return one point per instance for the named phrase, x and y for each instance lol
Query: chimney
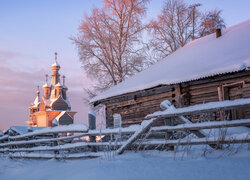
(218, 32)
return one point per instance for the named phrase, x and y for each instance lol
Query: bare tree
(210, 21)
(173, 27)
(109, 41)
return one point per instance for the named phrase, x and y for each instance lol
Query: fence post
(55, 135)
(169, 122)
(92, 126)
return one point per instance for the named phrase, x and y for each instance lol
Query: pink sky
(31, 31)
(18, 87)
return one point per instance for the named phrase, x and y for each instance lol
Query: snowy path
(143, 165)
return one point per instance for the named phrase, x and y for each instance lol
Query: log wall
(134, 107)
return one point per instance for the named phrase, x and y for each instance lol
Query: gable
(42, 106)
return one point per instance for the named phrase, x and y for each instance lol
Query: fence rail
(116, 141)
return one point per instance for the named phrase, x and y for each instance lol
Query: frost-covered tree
(179, 23)
(109, 42)
(173, 27)
(210, 21)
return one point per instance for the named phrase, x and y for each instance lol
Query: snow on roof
(58, 84)
(36, 102)
(52, 100)
(204, 57)
(46, 85)
(60, 115)
(23, 129)
(57, 129)
(64, 87)
(55, 64)
(92, 112)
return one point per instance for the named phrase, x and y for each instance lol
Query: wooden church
(53, 107)
(211, 68)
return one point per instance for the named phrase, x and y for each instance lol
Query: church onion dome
(65, 87)
(58, 85)
(55, 66)
(46, 85)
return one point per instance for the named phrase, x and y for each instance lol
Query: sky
(32, 30)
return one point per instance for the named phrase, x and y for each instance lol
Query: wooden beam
(202, 108)
(40, 140)
(56, 156)
(204, 125)
(62, 147)
(136, 135)
(199, 141)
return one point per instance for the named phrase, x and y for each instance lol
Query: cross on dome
(55, 63)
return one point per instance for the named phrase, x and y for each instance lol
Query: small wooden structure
(205, 70)
(46, 143)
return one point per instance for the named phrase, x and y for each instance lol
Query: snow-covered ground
(141, 165)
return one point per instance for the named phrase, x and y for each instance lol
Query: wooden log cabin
(212, 68)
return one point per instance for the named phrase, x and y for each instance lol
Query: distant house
(54, 105)
(19, 130)
(212, 68)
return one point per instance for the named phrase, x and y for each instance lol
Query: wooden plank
(40, 140)
(125, 130)
(136, 135)
(56, 156)
(203, 108)
(62, 147)
(54, 130)
(5, 137)
(128, 96)
(200, 141)
(205, 125)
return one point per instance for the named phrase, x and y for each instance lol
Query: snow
(50, 156)
(46, 85)
(92, 112)
(204, 125)
(58, 84)
(36, 102)
(201, 107)
(62, 147)
(23, 129)
(236, 138)
(216, 165)
(4, 137)
(60, 115)
(53, 99)
(204, 57)
(144, 125)
(57, 129)
(39, 140)
(129, 129)
(1, 133)
(55, 64)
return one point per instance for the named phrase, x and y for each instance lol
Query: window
(117, 120)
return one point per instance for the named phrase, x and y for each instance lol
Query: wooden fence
(116, 141)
